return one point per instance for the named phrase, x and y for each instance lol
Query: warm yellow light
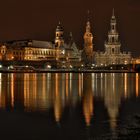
(137, 84)
(125, 85)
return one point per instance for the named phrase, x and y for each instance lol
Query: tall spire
(88, 44)
(88, 27)
(113, 14)
(59, 40)
(88, 15)
(113, 44)
(113, 22)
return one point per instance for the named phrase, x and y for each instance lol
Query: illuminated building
(112, 54)
(67, 55)
(136, 60)
(59, 37)
(35, 50)
(88, 44)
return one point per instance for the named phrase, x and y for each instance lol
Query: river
(78, 106)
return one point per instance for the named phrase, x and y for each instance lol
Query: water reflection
(41, 92)
(137, 85)
(88, 105)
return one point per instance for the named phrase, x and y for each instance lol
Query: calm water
(67, 106)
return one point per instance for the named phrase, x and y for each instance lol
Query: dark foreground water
(69, 106)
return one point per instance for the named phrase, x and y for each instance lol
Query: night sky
(37, 19)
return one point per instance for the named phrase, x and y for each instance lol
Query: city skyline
(38, 20)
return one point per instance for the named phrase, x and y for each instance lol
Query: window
(113, 39)
(113, 27)
(112, 50)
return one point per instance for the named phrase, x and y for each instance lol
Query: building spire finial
(88, 14)
(113, 13)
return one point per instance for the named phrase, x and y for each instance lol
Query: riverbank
(66, 71)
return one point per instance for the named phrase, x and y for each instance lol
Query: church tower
(112, 54)
(59, 40)
(88, 43)
(112, 46)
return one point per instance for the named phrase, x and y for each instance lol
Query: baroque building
(112, 54)
(59, 36)
(88, 44)
(35, 50)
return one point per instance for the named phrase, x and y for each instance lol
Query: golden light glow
(88, 108)
(57, 101)
(67, 85)
(137, 84)
(125, 85)
(12, 90)
(88, 105)
(2, 95)
(80, 84)
(70, 83)
(30, 91)
(59, 91)
(0, 83)
(26, 90)
(44, 87)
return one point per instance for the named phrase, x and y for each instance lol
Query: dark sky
(37, 19)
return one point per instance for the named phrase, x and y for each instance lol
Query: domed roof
(59, 27)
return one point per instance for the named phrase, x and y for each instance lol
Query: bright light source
(0, 66)
(49, 66)
(71, 66)
(27, 66)
(125, 62)
(11, 67)
(63, 52)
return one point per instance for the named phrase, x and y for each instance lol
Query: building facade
(34, 50)
(68, 54)
(112, 54)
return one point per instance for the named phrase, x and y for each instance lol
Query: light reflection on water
(42, 92)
